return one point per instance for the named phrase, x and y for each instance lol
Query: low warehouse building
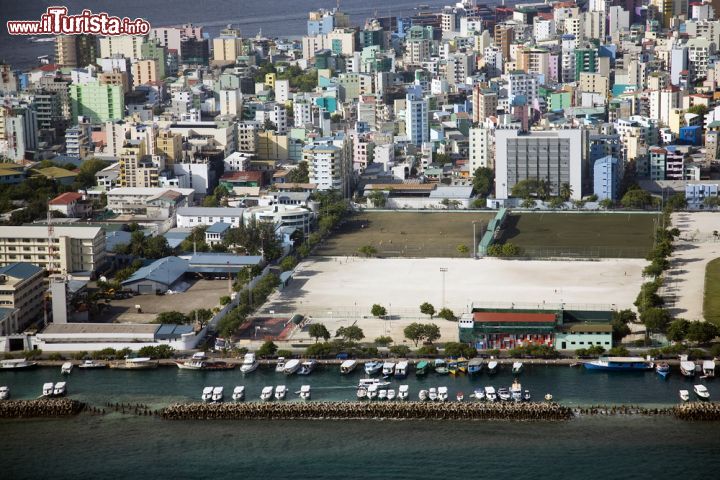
(160, 276)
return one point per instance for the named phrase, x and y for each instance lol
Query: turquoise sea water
(123, 446)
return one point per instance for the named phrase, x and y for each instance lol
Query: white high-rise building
(417, 127)
(231, 102)
(329, 161)
(481, 148)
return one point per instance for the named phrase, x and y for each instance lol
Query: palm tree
(543, 189)
(566, 191)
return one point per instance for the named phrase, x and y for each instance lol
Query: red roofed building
(71, 204)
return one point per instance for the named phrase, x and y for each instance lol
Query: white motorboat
(238, 393)
(527, 396)
(138, 363)
(479, 394)
(16, 364)
(362, 393)
(432, 394)
(372, 392)
(490, 394)
(492, 367)
(371, 368)
(48, 389)
(391, 394)
(702, 392)
(4, 393)
(291, 366)
(684, 395)
(280, 365)
(401, 369)
(348, 366)
(218, 394)
(207, 394)
(708, 368)
(403, 392)
(66, 368)
(382, 394)
(423, 395)
(92, 364)
(548, 397)
(250, 363)
(517, 368)
(366, 382)
(442, 394)
(305, 392)
(460, 396)
(60, 389)
(516, 391)
(280, 392)
(266, 394)
(307, 367)
(687, 368)
(503, 394)
(196, 362)
(388, 369)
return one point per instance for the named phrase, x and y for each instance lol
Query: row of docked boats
(440, 366)
(216, 394)
(374, 388)
(688, 368)
(700, 391)
(50, 389)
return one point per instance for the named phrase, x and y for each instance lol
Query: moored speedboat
(663, 369)
(391, 394)
(401, 369)
(207, 394)
(4, 392)
(139, 363)
(305, 392)
(492, 367)
(708, 369)
(372, 392)
(66, 368)
(432, 394)
(702, 392)
(442, 394)
(460, 396)
(516, 391)
(280, 365)
(307, 367)
(684, 395)
(218, 394)
(16, 364)
(47, 389)
(620, 364)
(361, 393)
(250, 363)
(503, 394)
(475, 366)
(238, 393)
(441, 367)
(348, 366)
(280, 392)
(422, 368)
(423, 395)
(92, 364)
(462, 365)
(371, 368)
(452, 367)
(517, 368)
(266, 393)
(479, 393)
(526, 396)
(388, 369)
(687, 367)
(548, 397)
(60, 389)
(490, 394)
(382, 394)
(403, 392)
(291, 366)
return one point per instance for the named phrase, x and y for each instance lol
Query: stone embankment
(61, 407)
(703, 411)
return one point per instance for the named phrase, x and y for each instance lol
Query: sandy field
(340, 291)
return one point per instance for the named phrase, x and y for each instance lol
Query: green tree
(556, 202)
(457, 349)
(701, 332)
(320, 350)
(383, 341)
(565, 192)
(378, 310)
(447, 314)
(368, 250)
(484, 181)
(414, 332)
(463, 249)
(156, 247)
(299, 174)
(171, 317)
(431, 332)
(200, 315)
(427, 309)
(606, 203)
(637, 198)
(288, 263)
(677, 330)
(399, 350)
(677, 201)
(655, 319)
(352, 333)
(267, 349)
(318, 330)
(377, 198)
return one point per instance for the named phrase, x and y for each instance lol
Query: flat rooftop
(94, 328)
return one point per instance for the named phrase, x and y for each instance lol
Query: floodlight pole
(443, 270)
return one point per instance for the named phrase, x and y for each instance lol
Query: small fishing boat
(708, 369)
(391, 394)
(432, 394)
(348, 366)
(702, 392)
(401, 369)
(422, 368)
(250, 363)
(452, 366)
(4, 392)
(305, 392)
(516, 391)
(66, 368)
(462, 364)
(382, 394)
(238, 394)
(366, 382)
(517, 368)
(441, 367)
(548, 397)
(218, 394)
(492, 367)
(291, 366)
(307, 367)
(684, 395)
(423, 395)
(280, 365)
(460, 396)
(687, 367)
(92, 364)
(139, 363)
(280, 392)
(503, 394)
(403, 392)
(442, 394)
(16, 364)
(196, 362)
(526, 396)
(479, 393)
(361, 393)
(475, 366)
(663, 369)
(47, 389)
(61, 389)
(372, 392)
(266, 394)
(388, 369)
(490, 394)
(371, 368)
(207, 394)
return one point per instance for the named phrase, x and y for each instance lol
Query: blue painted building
(607, 173)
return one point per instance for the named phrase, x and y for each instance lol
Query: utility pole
(474, 241)
(443, 270)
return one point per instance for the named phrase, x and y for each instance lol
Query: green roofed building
(99, 103)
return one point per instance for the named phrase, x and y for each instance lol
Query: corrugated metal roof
(20, 270)
(219, 227)
(506, 317)
(451, 192)
(210, 211)
(166, 271)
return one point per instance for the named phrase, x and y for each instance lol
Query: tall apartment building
(228, 46)
(504, 37)
(329, 161)
(137, 169)
(129, 46)
(481, 148)
(22, 289)
(169, 145)
(144, 72)
(607, 174)
(74, 249)
(76, 51)
(417, 125)
(99, 103)
(551, 155)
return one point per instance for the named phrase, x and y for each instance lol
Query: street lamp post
(443, 270)
(474, 240)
